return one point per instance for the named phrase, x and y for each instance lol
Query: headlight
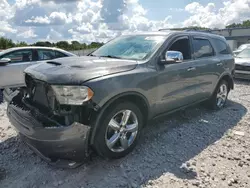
(72, 95)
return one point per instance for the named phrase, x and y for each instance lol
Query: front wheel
(119, 130)
(219, 98)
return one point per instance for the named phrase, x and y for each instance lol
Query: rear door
(11, 74)
(224, 53)
(208, 65)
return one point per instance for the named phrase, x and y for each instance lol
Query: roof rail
(180, 29)
(168, 29)
(197, 30)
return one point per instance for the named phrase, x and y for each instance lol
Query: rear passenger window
(59, 54)
(202, 48)
(46, 54)
(222, 47)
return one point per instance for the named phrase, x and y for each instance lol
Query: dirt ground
(195, 148)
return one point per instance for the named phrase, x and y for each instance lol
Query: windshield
(244, 54)
(242, 47)
(130, 47)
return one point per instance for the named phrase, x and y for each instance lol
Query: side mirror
(4, 61)
(172, 57)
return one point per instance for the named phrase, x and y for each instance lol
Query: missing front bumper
(64, 143)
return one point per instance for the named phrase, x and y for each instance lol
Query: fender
(223, 75)
(103, 108)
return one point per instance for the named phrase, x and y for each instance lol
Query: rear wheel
(119, 131)
(219, 98)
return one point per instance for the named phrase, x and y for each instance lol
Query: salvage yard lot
(195, 148)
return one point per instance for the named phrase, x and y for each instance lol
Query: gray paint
(77, 70)
(164, 87)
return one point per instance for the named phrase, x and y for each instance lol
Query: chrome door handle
(191, 69)
(219, 64)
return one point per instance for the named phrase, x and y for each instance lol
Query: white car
(241, 48)
(14, 60)
(242, 64)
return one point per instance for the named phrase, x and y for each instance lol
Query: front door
(11, 74)
(177, 83)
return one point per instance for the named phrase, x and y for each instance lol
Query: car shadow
(164, 146)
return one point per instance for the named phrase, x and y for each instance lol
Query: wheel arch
(135, 97)
(229, 79)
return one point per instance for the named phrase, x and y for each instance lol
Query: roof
(33, 47)
(36, 47)
(151, 33)
(168, 32)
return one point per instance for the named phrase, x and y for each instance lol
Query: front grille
(242, 67)
(40, 94)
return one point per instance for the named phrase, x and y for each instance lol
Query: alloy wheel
(221, 95)
(121, 131)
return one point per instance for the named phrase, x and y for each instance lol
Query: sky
(101, 20)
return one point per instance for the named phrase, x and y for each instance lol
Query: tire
(1, 96)
(102, 142)
(213, 103)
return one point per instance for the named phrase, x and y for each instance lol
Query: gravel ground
(195, 148)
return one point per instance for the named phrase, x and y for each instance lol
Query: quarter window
(202, 48)
(19, 56)
(222, 47)
(59, 54)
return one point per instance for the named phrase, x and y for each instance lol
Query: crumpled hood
(76, 70)
(242, 61)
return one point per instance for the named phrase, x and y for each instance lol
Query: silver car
(240, 49)
(14, 60)
(242, 64)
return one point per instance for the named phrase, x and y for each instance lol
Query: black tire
(212, 103)
(1, 96)
(100, 144)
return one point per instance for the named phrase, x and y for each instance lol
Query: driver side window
(182, 45)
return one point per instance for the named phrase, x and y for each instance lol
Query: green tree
(41, 43)
(21, 44)
(245, 23)
(95, 45)
(63, 44)
(75, 45)
(6, 43)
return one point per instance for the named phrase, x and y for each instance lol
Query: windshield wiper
(111, 56)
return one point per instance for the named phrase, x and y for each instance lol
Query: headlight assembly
(72, 95)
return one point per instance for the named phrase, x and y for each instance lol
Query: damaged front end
(58, 133)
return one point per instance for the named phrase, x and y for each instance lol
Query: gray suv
(101, 102)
